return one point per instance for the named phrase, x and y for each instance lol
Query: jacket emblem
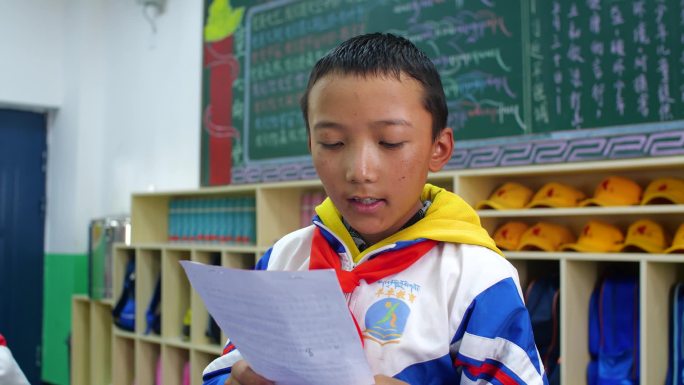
(386, 318)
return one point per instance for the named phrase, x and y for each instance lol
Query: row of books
(309, 201)
(224, 220)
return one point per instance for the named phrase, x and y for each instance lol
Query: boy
(433, 299)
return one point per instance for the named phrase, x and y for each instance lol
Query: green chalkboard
(509, 68)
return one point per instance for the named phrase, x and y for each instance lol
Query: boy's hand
(242, 374)
(384, 380)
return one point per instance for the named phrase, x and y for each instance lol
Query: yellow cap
(510, 195)
(557, 195)
(615, 191)
(507, 237)
(677, 242)
(664, 190)
(545, 236)
(597, 236)
(645, 235)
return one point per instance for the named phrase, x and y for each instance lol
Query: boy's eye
(391, 145)
(331, 146)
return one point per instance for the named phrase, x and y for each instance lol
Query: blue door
(22, 222)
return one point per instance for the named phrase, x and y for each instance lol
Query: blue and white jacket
(459, 316)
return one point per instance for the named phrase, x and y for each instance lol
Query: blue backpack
(124, 311)
(675, 370)
(614, 332)
(542, 300)
(153, 313)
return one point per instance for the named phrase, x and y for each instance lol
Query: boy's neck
(362, 244)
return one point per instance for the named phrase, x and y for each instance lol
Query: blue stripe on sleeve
(476, 364)
(489, 379)
(500, 312)
(433, 372)
(263, 261)
(216, 379)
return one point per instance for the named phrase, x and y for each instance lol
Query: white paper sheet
(293, 328)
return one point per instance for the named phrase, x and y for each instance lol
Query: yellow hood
(448, 219)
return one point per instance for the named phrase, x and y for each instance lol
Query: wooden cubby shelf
(134, 356)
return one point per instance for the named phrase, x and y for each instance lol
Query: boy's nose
(362, 166)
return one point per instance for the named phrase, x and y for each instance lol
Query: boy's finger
(242, 374)
(384, 380)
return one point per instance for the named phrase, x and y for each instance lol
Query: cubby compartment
(576, 219)
(530, 270)
(540, 284)
(279, 210)
(578, 280)
(200, 316)
(657, 281)
(148, 356)
(238, 260)
(100, 348)
(151, 212)
(91, 342)
(149, 217)
(80, 340)
(477, 185)
(198, 361)
(123, 360)
(122, 256)
(228, 219)
(147, 275)
(175, 293)
(174, 360)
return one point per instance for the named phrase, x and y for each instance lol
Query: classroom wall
(123, 102)
(123, 107)
(31, 40)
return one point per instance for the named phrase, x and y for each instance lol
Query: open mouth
(365, 201)
(367, 205)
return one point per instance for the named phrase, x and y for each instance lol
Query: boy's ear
(442, 148)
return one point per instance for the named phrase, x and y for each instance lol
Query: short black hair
(383, 54)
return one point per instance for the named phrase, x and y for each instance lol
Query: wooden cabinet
(135, 355)
(579, 272)
(91, 341)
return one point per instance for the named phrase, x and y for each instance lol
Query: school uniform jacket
(457, 314)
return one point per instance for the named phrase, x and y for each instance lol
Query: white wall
(31, 40)
(128, 105)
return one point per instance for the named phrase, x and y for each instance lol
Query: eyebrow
(376, 124)
(391, 122)
(327, 124)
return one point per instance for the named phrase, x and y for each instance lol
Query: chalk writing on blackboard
(509, 68)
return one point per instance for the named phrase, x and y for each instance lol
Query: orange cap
(597, 236)
(510, 195)
(664, 190)
(557, 195)
(677, 242)
(507, 237)
(615, 191)
(545, 236)
(645, 235)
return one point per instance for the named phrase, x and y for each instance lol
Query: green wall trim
(65, 275)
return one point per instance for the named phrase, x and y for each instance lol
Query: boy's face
(371, 143)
